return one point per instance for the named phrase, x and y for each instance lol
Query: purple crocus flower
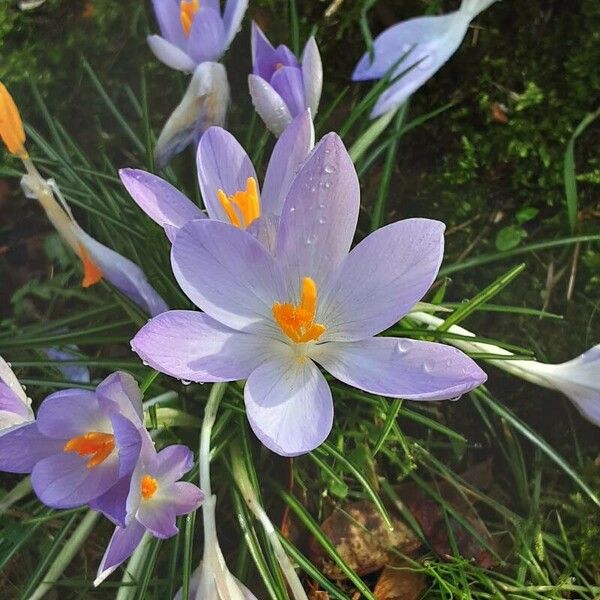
(228, 183)
(271, 318)
(194, 31)
(280, 86)
(156, 497)
(81, 445)
(15, 406)
(416, 49)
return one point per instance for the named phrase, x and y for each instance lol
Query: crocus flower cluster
(282, 87)
(273, 311)
(412, 51)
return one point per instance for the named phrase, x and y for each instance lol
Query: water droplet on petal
(322, 220)
(402, 346)
(293, 209)
(310, 239)
(428, 366)
(329, 169)
(185, 382)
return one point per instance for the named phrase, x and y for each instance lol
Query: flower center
(297, 321)
(244, 206)
(149, 486)
(187, 12)
(95, 444)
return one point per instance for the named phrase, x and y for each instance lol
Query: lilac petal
(162, 202)
(222, 165)
(158, 517)
(289, 404)
(289, 154)
(264, 229)
(382, 279)
(401, 368)
(24, 446)
(287, 82)
(185, 497)
(125, 275)
(173, 462)
(232, 18)
(169, 21)
(64, 480)
(270, 106)
(128, 441)
(269, 64)
(120, 392)
(191, 346)
(262, 53)
(70, 413)
(312, 75)
(112, 504)
(206, 41)
(122, 545)
(319, 214)
(227, 273)
(10, 402)
(170, 55)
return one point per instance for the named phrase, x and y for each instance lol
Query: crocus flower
(414, 50)
(194, 31)
(269, 318)
(98, 261)
(81, 445)
(204, 104)
(578, 379)
(280, 86)
(15, 406)
(156, 497)
(230, 194)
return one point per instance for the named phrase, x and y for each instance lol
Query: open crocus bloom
(269, 318)
(415, 49)
(81, 444)
(156, 497)
(280, 86)
(194, 31)
(203, 105)
(15, 406)
(228, 182)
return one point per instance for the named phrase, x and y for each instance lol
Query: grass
(543, 547)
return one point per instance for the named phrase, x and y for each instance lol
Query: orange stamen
(187, 12)
(11, 126)
(297, 320)
(92, 273)
(95, 444)
(149, 486)
(244, 206)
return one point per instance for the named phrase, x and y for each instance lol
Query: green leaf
(509, 237)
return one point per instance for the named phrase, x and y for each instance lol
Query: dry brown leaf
(396, 583)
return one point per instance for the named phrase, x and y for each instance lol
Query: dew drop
(428, 366)
(321, 205)
(322, 220)
(185, 382)
(448, 362)
(293, 209)
(329, 169)
(24, 388)
(402, 347)
(9, 365)
(310, 240)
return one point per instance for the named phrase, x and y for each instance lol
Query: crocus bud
(281, 87)
(204, 104)
(11, 126)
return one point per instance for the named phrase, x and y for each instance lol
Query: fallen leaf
(397, 583)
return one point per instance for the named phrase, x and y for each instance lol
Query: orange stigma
(297, 321)
(149, 485)
(278, 66)
(244, 206)
(95, 444)
(11, 126)
(92, 273)
(187, 12)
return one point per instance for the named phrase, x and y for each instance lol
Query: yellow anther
(187, 12)
(297, 321)
(95, 444)
(11, 126)
(149, 486)
(244, 206)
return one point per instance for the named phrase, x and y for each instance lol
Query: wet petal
(382, 279)
(232, 18)
(222, 164)
(289, 154)
(169, 21)
(24, 446)
(401, 368)
(170, 55)
(312, 75)
(121, 546)
(191, 346)
(289, 404)
(319, 214)
(227, 273)
(206, 42)
(287, 82)
(270, 106)
(161, 201)
(121, 392)
(13, 404)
